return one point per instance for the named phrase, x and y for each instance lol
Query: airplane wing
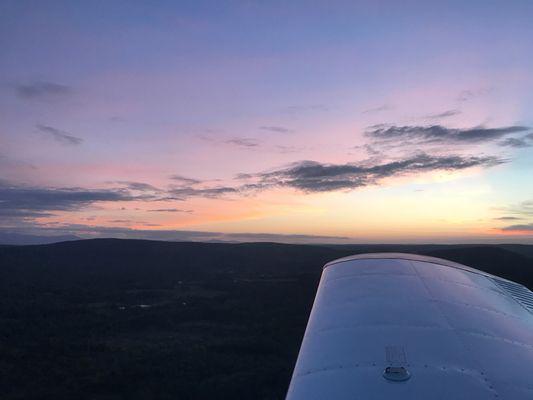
(402, 326)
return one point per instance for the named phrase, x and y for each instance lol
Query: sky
(300, 121)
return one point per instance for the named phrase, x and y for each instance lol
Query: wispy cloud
(171, 210)
(243, 142)
(138, 186)
(116, 119)
(276, 129)
(470, 94)
(379, 109)
(524, 208)
(8, 162)
(41, 89)
(183, 180)
(59, 136)
(182, 193)
(515, 142)
(287, 149)
(519, 228)
(508, 218)
(306, 108)
(237, 141)
(444, 114)
(371, 150)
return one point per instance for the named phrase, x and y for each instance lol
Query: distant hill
(114, 319)
(107, 260)
(9, 238)
(523, 249)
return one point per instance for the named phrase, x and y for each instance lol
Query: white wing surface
(401, 326)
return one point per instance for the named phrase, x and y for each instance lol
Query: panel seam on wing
(467, 348)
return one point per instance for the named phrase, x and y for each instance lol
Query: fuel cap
(396, 374)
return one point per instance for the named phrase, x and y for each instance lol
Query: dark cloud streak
(311, 176)
(41, 89)
(441, 134)
(59, 136)
(24, 201)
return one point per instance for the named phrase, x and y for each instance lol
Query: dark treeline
(126, 319)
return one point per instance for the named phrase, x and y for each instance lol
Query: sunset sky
(293, 121)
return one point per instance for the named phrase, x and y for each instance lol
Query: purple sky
(349, 121)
